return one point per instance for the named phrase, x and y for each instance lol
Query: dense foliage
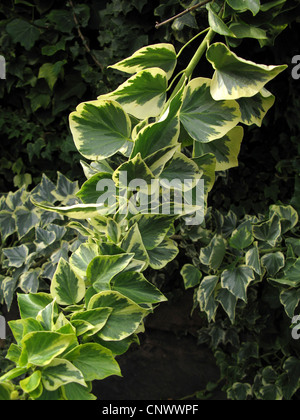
(156, 128)
(57, 54)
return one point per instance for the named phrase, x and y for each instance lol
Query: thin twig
(189, 10)
(84, 41)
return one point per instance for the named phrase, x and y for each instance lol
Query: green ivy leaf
(51, 72)
(217, 24)
(23, 32)
(242, 30)
(243, 5)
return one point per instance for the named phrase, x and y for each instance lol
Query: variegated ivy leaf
(254, 109)
(61, 372)
(7, 224)
(163, 254)
(288, 217)
(180, 168)
(82, 257)
(206, 298)
(164, 133)
(243, 5)
(253, 259)
(125, 318)
(213, 255)
(207, 165)
(16, 256)
(132, 176)
(103, 268)
(66, 287)
(29, 384)
(42, 347)
(90, 322)
(191, 276)
(228, 302)
(66, 189)
(94, 361)
(143, 95)
(162, 56)
(269, 231)
(153, 228)
(204, 118)
(29, 281)
(25, 220)
(30, 305)
(157, 161)
(90, 192)
(290, 299)
(100, 129)
(79, 211)
(226, 150)
(273, 262)
(235, 77)
(237, 280)
(133, 243)
(137, 288)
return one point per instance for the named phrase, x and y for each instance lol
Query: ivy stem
(194, 62)
(189, 10)
(271, 250)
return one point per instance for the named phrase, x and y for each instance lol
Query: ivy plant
(155, 127)
(33, 240)
(248, 270)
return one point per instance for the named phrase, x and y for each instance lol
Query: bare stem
(84, 41)
(189, 10)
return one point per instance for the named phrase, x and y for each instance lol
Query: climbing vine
(154, 145)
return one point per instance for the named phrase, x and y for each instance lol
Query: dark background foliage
(57, 54)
